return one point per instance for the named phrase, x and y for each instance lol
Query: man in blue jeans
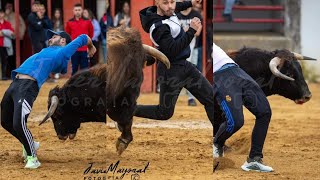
(234, 88)
(16, 104)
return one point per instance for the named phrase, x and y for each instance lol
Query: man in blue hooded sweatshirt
(17, 101)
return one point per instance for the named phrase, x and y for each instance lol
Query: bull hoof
(121, 145)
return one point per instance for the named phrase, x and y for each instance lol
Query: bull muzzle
(304, 99)
(70, 136)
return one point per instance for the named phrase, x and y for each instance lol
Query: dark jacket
(176, 49)
(37, 27)
(105, 22)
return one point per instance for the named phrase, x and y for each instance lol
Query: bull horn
(52, 109)
(273, 65)
(157, 54)
(301, 57)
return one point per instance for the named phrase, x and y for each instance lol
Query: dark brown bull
(112, 88)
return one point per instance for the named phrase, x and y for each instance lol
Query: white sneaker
(32, 162)
(255, 164)
(24, 152)
(57, 76)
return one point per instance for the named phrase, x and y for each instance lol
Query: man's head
(1, 14)
(60, 38)
(42, 9)
(126, 7)
(9, 8)
(166, 7)
(77, 10)
(35, 6)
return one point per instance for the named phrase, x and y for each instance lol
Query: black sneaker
(217, 151)
(192, 102)
(227, 17)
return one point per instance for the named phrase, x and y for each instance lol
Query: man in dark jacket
(37, 27)
(170, 38)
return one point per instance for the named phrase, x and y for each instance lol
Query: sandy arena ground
(176, 149)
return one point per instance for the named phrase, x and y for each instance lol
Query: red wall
(148, 84)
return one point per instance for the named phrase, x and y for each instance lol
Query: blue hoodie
(53, 59)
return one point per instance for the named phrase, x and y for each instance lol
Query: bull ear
(232, 53)
(149, 60)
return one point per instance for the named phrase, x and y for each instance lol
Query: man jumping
(170, 38)
(17, 101)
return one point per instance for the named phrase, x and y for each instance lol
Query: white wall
(310, 31)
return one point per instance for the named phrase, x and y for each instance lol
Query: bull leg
(125, 138)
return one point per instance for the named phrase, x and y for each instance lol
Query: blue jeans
(104, 49)
(228, 6)
(80, 58)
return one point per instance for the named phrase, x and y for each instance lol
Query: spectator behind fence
(105, 23)
(10, 16)
(57, 26)
(123, 17)
(185, 18)
(6, 34)
(227, 13)
(75, 27)
(37, 27)
(57, 20)
(87, 13)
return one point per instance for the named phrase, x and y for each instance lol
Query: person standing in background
(123, 17)
(10, 16)
(185, 18)
(105, 23)
(57, 26)
(6, 34)
(37, 27)
(75, 27)
(87, 13)
(57, 20)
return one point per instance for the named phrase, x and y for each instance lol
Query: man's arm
(169, 46)
(172, 47)
(34, 23)
(80, 41)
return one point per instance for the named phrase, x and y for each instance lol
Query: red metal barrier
(219, 8)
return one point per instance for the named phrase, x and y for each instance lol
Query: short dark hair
(78, 5)
(1, 11)
(36, 2)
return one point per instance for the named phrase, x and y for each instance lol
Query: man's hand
(196, 25)
(91, 50)
(195, 2)
(39, 14)
(1, 33)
